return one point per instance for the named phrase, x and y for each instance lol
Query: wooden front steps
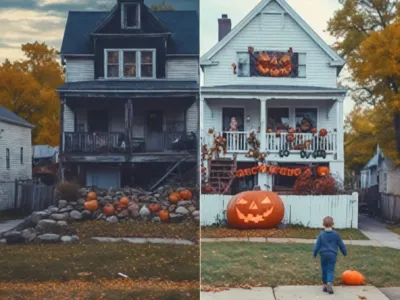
(221, 174)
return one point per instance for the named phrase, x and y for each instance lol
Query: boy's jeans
(328, 262)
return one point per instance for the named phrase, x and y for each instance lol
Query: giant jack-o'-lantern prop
(255, 209)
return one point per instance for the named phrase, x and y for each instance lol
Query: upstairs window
(130, 16)
(8, 159)
(130, 63)
(22, 155)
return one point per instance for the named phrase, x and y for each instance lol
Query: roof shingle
(10, 117)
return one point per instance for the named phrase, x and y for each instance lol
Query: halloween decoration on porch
(269, 169)
(255, 145)
(91, 196)
(233, 125)
(278, 133)
(314, 130)
(164, 215)
(207, 189)
(290, 138)
(255, 209)
(269, 130)
(91, 205)
(323, 171)
(352, 277)
(108, 210)
(310, 183)
(174, 197)
(211, 130)
(323, 132)
(305, 125)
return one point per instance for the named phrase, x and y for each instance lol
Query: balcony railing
(116, 142)
(237, 142)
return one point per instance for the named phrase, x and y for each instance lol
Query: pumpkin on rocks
(154, 207)
(186, 195)
(351, 277)
(91, 196)
(255, 209)
(91, 205)
(174, 197)
(124, 201)
(164, 215)
(323, 171)
(108, 209)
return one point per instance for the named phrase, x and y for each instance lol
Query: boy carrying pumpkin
(327, 246)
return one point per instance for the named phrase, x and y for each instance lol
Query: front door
(154, 131)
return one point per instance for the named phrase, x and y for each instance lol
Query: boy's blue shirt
(328, 242)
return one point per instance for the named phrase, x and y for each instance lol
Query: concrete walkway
(143, 240)
(377, 232)
(298, 293)
(392, 293)
(9, 224)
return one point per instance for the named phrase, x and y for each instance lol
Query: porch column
(263, 180)
(338, 165)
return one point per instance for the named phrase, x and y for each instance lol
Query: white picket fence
(299, 210)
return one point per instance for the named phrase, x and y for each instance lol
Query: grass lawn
(288, 232)
(395, 228)
(90, 270)
(188, 231)
(239, 264)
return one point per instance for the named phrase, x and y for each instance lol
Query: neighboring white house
(15, 153)
(272, 73)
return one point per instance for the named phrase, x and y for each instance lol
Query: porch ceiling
(129, 88)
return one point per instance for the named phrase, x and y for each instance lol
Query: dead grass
(188, 231)
(288, 232)
(395, 229)
(239, 264)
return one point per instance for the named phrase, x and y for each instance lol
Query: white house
(272, 75)
(15, 153)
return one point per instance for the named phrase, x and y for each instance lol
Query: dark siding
(129, 42)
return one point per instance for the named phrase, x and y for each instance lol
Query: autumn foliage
(310, 184)
(28, 88)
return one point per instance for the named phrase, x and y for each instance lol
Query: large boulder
(13, 237)
(48, 238)
(51, 226)
(36, 216)
(28, 234)
(75, 215)
(59, 217)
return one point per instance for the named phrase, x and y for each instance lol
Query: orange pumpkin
(154, 207)
(275, 72)
(351, 277)
(323, 132)
(291, 130)
(278, 133)
(108, 209)
(314, 130)
(263, 70)
(186, 194)
(255, 209)
(263, 59)
(323, 171)
(290, 138)
(91, 205)
(164, 215)
(269, 130)
(91, 196)
(174, 197)
(124, 201)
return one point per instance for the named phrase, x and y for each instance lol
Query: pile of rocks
(53, 224)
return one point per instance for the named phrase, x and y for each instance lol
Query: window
(22, 156)
(233, 118)
(131, 16)
(243, 60)
(278, 119)
(302, 65)
(306, 119)
(8, 159)
(130, 64)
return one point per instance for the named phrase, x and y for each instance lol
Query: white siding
(14, 137)
(192, 118)
(263, 34)
(183, 69)
(79, 70)
(212, 112)
(69, 119)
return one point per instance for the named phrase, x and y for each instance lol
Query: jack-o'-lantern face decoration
(255, 209)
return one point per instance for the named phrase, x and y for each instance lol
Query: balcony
(236, 142)
(98, 143)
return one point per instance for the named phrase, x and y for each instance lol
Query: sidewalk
(298, 293)
(378, 232)
(9, 224)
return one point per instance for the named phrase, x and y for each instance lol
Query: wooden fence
(390, 207)
(299, 210)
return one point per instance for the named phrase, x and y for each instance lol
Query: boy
(327, 246)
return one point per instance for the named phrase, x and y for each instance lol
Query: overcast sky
(23, 21)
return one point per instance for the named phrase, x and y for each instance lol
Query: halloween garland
(255, 152)
(269, 169)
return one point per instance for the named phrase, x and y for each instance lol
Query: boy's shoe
(324, 289)
(329, 288)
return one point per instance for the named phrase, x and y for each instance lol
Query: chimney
(224, 26)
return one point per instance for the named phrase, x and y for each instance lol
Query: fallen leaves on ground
(141, 229)
(288, 232)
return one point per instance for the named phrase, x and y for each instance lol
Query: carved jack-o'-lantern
(263, 59)
(255, 209)
(262, 70)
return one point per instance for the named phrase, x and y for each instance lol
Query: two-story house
(129, 108)
(15, 154)
(274, 76)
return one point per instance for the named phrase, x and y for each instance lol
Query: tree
(27, 88)
(163, 6)
(368, 37)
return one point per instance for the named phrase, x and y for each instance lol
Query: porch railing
(302, 141)
(237, 142)
(96, 142)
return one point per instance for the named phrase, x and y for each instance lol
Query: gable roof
(9, 117)
(183, 25)
(336, 59)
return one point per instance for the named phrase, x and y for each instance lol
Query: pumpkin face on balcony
(255, 209)
(323, 132)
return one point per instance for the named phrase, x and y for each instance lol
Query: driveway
(377, 231)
